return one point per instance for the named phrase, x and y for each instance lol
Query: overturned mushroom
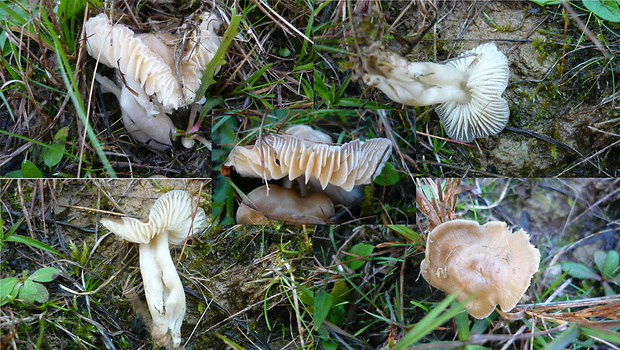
(278, 203)
(153, 83)
(469, 88)
(487, 261)
(275, 156)
(172, 219)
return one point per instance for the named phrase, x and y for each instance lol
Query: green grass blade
(69, 79)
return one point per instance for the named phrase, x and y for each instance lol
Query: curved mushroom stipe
(487, 261)
(278, 203)
(171, 219)
(275, 156)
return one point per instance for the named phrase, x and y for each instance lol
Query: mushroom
(171, 220)
(487, 261)
(275, 156)
(278, 203)
(153, 82)
(469, 88)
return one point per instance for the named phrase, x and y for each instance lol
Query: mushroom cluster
(155, 80)
(468, 88)
(487, 261)
(172, 220)
(319, 167)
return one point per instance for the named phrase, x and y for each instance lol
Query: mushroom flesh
(487, 261)
(172, 219)
(469, 88)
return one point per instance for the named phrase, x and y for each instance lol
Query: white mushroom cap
(275, 156)
(172, 212)
(278, 203)
(488, 261)
(486, 113)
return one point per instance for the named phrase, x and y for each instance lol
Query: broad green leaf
(28, 291)
(329, 345)
(599, 259)
(53, 155)
(45, 274)
(30, 170)
(322, 304)
(8, 291)
(42, 293)
(611, 264)
(579, 271)
(606, 9)
(360, 249)
(388, 176)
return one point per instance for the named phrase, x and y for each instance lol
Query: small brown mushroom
(488, 261)
(274, 202)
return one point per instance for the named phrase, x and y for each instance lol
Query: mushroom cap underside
(275, 156)
(489, 261)
(173, 212)
(486, 113)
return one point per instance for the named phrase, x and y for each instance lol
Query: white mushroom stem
(163, 290)
(417, 83)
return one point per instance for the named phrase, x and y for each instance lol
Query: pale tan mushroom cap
(275, 156)
(133, 54)
(487, 260)
(486, 113)
(171, 212)
(278, 203)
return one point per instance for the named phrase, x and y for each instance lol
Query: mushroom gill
(275, 156)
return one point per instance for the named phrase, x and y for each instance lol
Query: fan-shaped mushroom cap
(486, 112)
(489, 261)
(148, 58)
(171, 212)
(279, 203)
(275, 156)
